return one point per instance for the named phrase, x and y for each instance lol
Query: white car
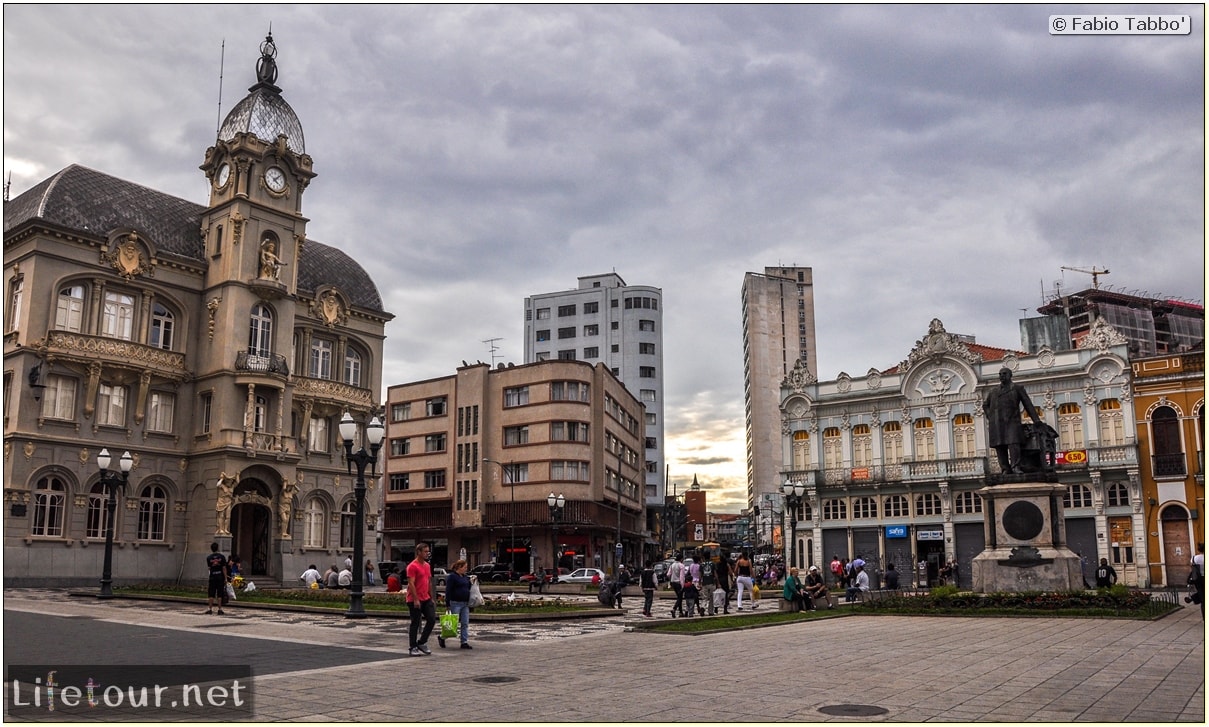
(582, 575)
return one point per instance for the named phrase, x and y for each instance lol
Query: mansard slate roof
(79, 198)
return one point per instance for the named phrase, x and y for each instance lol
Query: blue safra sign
(896, 531)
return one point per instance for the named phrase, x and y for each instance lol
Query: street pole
(793, 492)
(556, 513)
(112, 481)
(374, 432)
(618, 552)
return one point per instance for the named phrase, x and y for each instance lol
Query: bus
(712, 551)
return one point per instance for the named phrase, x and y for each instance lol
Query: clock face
(275, 179)
(223, 176)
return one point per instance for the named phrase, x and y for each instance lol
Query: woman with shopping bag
(457, 595)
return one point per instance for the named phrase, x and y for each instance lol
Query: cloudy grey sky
(926, 161)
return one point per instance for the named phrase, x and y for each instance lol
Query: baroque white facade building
(892, 460)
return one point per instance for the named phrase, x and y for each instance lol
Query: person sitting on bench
(816, 588)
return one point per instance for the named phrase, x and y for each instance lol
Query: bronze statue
(1005, 430)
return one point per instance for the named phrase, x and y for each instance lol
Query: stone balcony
(65, 345)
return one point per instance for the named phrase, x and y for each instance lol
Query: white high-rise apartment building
(621, 325)
(778, 329)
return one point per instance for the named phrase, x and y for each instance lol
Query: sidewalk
(890, 668)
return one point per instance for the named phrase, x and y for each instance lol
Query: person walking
(743, 580)
(1198, 576)
(419, 601)
(709, 581)
(1106, 576)
(647, 581)
(457, 595)
(725, 575)
(216, 588)
(837, 570)
(675, 576)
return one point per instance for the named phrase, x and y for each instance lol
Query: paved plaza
(861, 668)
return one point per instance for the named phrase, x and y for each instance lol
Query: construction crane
(1095, 274)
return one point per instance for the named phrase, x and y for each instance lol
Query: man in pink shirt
(419, 601)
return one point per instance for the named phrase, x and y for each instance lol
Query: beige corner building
(471, 460)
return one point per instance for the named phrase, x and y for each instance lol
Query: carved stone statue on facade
(286, 506)
(270, 264)
(222, 508)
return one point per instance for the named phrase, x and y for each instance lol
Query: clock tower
(258, 169)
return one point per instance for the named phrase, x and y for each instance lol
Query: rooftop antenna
(492, 348)
(222, 58)
(8, 184)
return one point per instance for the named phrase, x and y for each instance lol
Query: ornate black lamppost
(556, 515)
(112, 481)
(374, 432)
(793, 492)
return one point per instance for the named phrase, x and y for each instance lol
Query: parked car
(549, 574)
(493, 572)
(582, 575)
(439, 575)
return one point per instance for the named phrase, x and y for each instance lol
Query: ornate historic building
(215, 343)
(1169, 399)
(892, 460)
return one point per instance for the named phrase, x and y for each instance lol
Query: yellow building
(1169, 401)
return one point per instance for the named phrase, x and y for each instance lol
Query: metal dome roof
(266, 114)
(263, 111)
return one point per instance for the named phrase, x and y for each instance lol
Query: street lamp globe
(348, 428)
(374, 431)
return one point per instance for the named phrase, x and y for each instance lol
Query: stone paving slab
(918, 669)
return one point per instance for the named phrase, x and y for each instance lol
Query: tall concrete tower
(778, 329)
(621, 325)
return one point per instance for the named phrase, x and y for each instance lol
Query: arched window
(153, 513)
(117, 318)
(892, 442)
(314, 530)
(1077, 496)
(862, 446)
(1118, 496)
(348, 522)
(50, 497)
(968, 503)
(927, 503)
(260, 331)
(835, 509)
(833, 448)
(896, 506)
(1070, 427)
(801, 450)
(864, 507)
(162, 322)
(1165, 438)
(925, 439)
(98, 512)
(69, 313)
(1112, 423)
(963, 435)
(352, 367)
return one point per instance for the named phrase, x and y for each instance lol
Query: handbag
(449, 625)
(476, 595)
(230, 592)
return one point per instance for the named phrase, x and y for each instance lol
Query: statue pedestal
(1026, 541)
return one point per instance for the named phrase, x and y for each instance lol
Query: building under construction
(1153, 326)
